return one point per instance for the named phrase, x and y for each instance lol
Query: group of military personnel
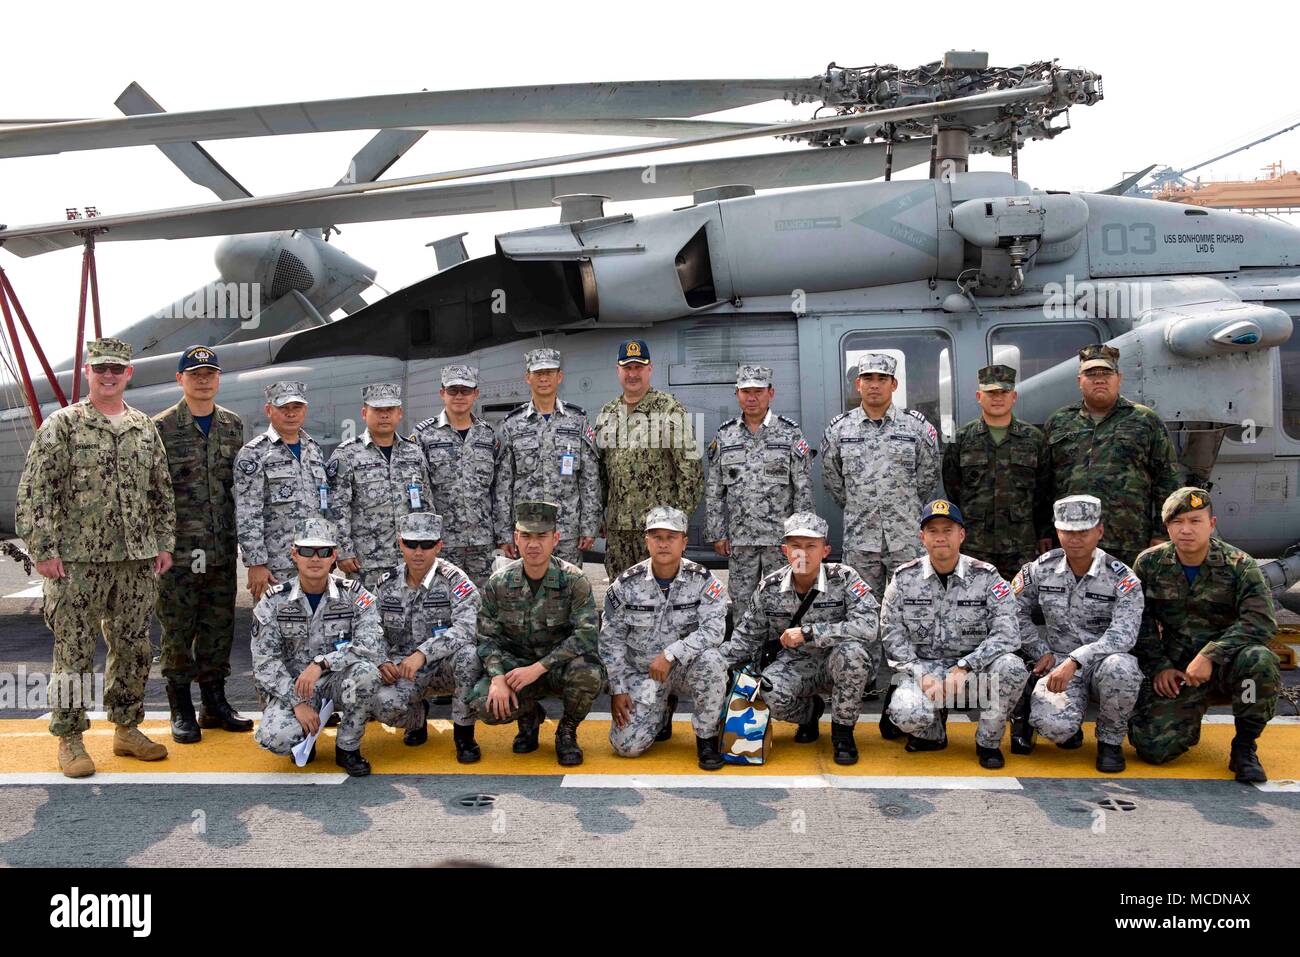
(107, 499)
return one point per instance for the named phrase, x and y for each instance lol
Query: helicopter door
(1034, 349)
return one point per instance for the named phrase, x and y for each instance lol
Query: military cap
(1186, 499)
(633, 351)
(198, 357)
(665, 516)
(941, 508)
(535, 516)
(1077, 513)
(997, 378)
(541, 359)
(382, 395)
(459, 375)
(805, 525)
(282, 393)
(316, 531)
(753, 377)
(1098, 356)
(877, 362)
(420, 527)
(107, 351)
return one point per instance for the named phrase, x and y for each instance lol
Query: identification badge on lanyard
(437, 630)
(324, 497)
(341, 643)
(413, 492)
(568, 462)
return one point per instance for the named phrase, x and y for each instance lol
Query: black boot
(846, 751)
(810, 730)
(216, 711)
(1073, 742)
(334, 720)
(185, 729)
(567, 751)
(925, 744)
(467, 751)
(1022, 732)
(415, 737)
(526, 739)
(888, 730)
(706, 749)
(1244, 761)
(990, 757)
(1110, 758)
(351, 762)
(666, 731)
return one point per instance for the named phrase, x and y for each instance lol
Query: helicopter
(947, 274)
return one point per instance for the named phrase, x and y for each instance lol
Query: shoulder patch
(1018, 583)
(247, 465)
(332, 468)
(463, 590)
(801, 448)
(858, 588)
(1126, 584)
(999, 589)
(364, 599)
(714, 589)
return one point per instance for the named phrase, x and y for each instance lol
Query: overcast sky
(1175, 92)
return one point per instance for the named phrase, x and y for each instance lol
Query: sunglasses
(110, 368)
(426, 546)
(458, 390)
(316, 551)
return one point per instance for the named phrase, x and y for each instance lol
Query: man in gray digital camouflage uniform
(948, 624)
(760, 471)
(1092, 604)
(661, 618)
(429, 610)
(375, 479)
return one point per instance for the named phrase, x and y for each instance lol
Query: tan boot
(131, 743)
(74, 762)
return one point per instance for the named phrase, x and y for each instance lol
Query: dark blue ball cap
(634, 350)
(198, 357)
(942, 508)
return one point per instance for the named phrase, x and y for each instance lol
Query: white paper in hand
(303, 747)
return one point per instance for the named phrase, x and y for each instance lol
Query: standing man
(880, 464)
(832, 648)
(538, 635)
(95, 509)
(375, 479)
(948, 624)
(461, 450)
(664, 618)
(648, 456)
(760, 471)
(1208, 622)
(996, 472)
(196, 598)
(548, 454)
(280, 482)
(1109, 447)
(1092, 604)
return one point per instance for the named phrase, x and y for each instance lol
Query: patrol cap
(665, 516)
(1077, 513)
(633, 351)
(805, 525)
(382, 395)
(941, 508)
(316, 531)
(1098, 356)
(753, 377)
(108, 351)
(535, 516)
(877, 362)
(420, 527)
(198, 357)
(282, 393)
(539, 359)
(997, 378)
(1186, 499)
(459, 375)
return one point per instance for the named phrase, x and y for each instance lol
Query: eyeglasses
(1098, 374)
(458, 390)
(109, 368)
(316, 551)
(426, 546)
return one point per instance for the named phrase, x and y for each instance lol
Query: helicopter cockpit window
(924, 371)
(1034, 349)
(1289, 353)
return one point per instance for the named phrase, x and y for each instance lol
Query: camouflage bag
(746, 722)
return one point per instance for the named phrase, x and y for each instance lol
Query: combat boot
(567, 751)
(706, 749)
(990, 757)
(1073, 742)
(131, 743)
(185, 729)
(888, 730)
(215, 711)
(415, 737)
(1110, 758)
(351, 762)
(1022, 732)
(666, 731)
(74, 762)
(846, 751)
(526, 739)
(467, 750)
(1244, 762)
(925, 744)
(810, 730)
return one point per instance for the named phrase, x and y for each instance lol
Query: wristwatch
(963, 663)
(807, 632)
(669, 655)
(320, 660)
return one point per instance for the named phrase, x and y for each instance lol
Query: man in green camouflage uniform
(995, 471)
(649, 456)
(1205, 630)
(1114, 449)
(196, 598)
(95, 508)
(538, 635)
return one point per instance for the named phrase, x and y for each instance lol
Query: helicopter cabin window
(1289, 354)
(1036, 348)
(924, 371)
